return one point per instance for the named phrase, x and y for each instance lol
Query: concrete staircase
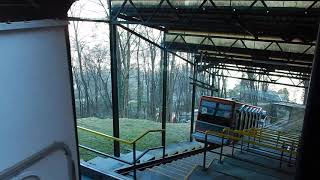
(175, 170)
(251, 164)
(178, 169)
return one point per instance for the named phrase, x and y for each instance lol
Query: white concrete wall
(35, 96)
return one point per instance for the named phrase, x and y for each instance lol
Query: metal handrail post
(221, 150)
(290, 156)
(205, 151)
(241, 143)
(298, 150)
(260, 135)
(163, 152)
(281, 157)
(134, 161)
(254, 137)
(278, 137)
(249, 138)
(232, 148)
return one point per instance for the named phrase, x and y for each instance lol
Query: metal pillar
(306, 84)
(67, 37)
(164, 94)
(308, 153)
(195, 72)
(114, 83)
(212, 84)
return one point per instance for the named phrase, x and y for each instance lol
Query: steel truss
(168, 15)
(273, 76)
(243, 55)
(272, 62)
(221, 60)
(232, 23)
(285, 78)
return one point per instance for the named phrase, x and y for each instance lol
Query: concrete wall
(35, 96)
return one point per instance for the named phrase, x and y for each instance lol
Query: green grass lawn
(129, 130)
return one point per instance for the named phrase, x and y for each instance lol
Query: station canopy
(271, 36)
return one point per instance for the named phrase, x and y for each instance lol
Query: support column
(114, 83)
(164, 94)
(195, 72)
(306, 84)
(309, 152)
(212, 83)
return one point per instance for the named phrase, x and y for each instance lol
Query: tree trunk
(139, 89)
(153, 84)
(84, 83)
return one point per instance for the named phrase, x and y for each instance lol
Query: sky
(89, 31)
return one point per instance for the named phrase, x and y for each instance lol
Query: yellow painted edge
(193, 168)
(162, 174)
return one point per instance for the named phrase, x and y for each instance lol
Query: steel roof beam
(261, 53)
(231, 36)
(270, 66)
(283, 75)
(269, 82)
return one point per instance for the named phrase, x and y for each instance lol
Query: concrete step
(268, 152)
(198, 159)
(247, 170)
(182, 168)
(265, 161)
(181, 165)
(178, 169)
(209, 174)
(149, 174)
(169, 172)
(105, 164)
(107, 173)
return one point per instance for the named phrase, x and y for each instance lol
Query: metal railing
(284, 144)
(24, 164)
(133, 143)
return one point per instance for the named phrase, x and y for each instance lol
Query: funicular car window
(224, 110)
(209, 108)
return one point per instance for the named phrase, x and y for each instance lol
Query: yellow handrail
(277, 141)
(227, 136)
(147, 132)
(255, 134)
(118, 139)
(105, 135)
(276, 136)
(291, 135)
(262, 133)
(279, 136)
